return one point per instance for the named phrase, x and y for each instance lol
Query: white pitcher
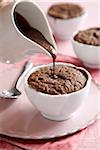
(14, 46)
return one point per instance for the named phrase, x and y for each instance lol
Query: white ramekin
(88, 54)
(64, 29)
(57, 107)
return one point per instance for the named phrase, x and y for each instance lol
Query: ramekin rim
(70, 19)
(82, 44)
(60, 95)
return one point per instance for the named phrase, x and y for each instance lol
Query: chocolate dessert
(90, 36)
(65, 80)
(65, 10)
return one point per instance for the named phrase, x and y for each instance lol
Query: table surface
(65, 47)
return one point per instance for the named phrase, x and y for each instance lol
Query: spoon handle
(28, 65)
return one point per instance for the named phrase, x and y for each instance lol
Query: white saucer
(91, 65)
(19, 119)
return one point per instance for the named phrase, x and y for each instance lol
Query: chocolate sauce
(34, 35)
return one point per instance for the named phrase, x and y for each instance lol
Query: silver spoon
(14, 92)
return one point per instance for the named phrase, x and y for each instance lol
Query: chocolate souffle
(90, 36)
(65, 10)
(66, 79)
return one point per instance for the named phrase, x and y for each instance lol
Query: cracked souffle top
(65, 80)
(90, 36)
(65, 10)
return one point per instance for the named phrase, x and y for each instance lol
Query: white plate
(19, 119)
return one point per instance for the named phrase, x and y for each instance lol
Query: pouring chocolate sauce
(35, 35)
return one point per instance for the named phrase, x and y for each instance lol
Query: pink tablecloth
(88, 139)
